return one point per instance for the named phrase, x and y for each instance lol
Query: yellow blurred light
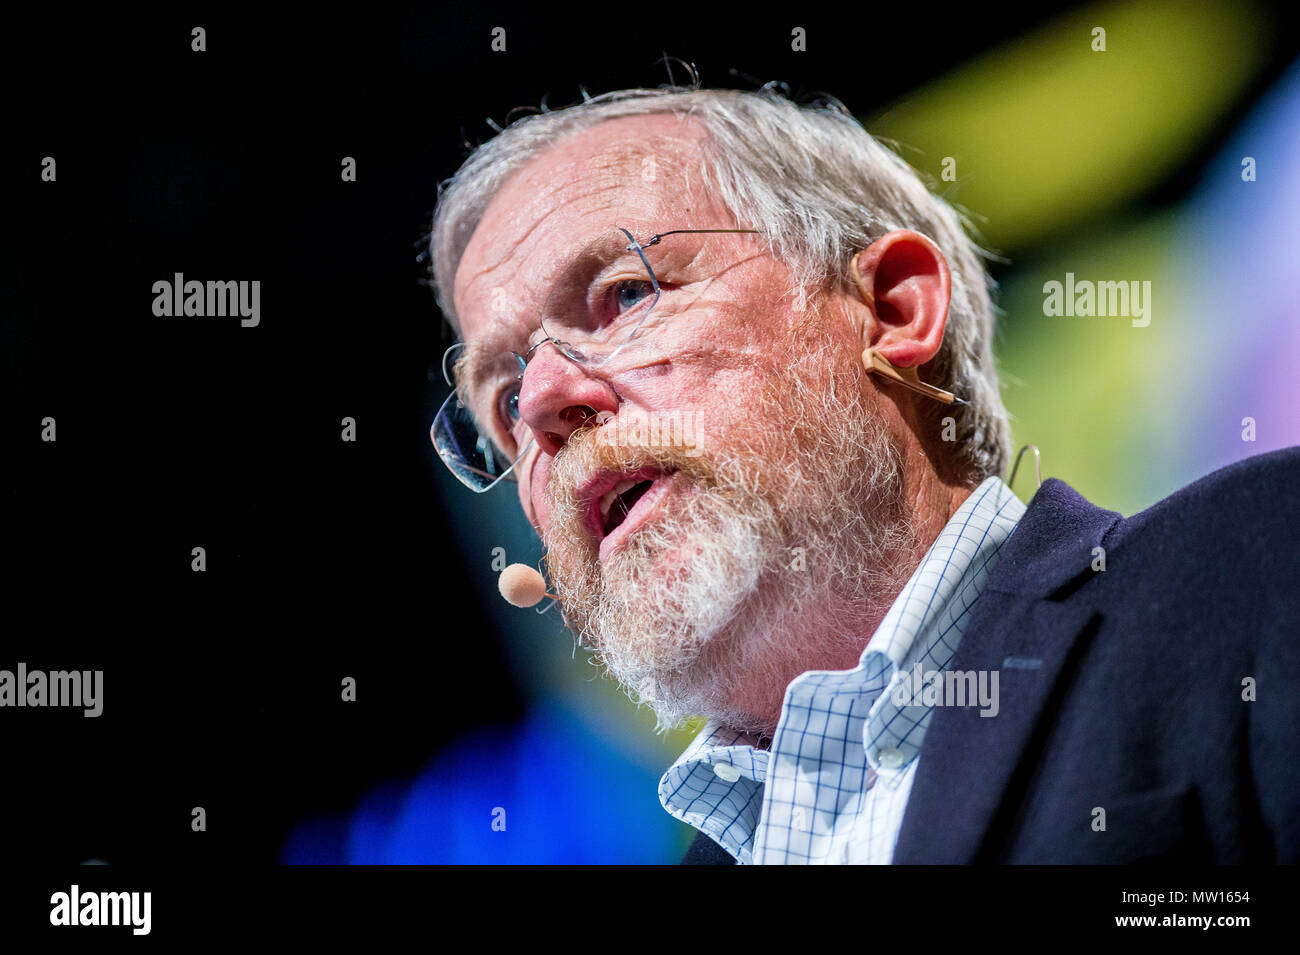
(1045, 131)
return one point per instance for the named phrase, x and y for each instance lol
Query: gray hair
(817, 184)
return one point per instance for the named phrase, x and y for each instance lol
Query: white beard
(779, 553)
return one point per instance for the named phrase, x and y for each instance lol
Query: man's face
(687, 565)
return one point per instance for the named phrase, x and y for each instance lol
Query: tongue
(624, 503)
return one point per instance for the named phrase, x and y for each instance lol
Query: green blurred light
(1105, 401)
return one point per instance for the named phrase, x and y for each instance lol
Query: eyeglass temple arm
(508, 476)
(654, 239)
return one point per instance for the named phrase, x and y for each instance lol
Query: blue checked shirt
(833, 786)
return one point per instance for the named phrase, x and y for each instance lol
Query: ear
(904, 281)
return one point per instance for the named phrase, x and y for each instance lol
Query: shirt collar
(716, 785)
(923, 627)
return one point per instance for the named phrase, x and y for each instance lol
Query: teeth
(607, 501)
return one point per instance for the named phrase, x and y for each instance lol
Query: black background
(325, 559)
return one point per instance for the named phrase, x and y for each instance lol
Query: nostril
(550, 442)
(572, 418)
(578, 416)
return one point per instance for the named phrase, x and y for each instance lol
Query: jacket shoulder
(1212, 565)
(1234, 529)
(1247, 506)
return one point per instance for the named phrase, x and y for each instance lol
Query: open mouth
(619, 503)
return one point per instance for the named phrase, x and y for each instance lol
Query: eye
(628, 295)
(508, 405)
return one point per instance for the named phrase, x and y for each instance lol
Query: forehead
(633, 171)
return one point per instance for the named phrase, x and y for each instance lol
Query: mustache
(585, 455)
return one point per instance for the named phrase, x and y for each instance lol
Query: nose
(557, 397)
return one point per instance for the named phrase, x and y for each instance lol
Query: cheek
(532, 488)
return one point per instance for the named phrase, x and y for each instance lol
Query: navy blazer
(1126, 689)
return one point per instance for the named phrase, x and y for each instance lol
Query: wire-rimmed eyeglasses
(595, 314)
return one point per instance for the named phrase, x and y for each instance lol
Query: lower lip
(640, 513)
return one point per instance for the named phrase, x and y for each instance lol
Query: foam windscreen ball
(522, 585)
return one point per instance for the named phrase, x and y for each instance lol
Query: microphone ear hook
(549, 594)
(878, 364)
(1038, 465)
(554, 599)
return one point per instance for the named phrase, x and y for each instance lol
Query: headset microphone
(523, 586)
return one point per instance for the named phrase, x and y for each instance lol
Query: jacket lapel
(1023, 628)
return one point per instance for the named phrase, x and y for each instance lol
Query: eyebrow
(478, 359)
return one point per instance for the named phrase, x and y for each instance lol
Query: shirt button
(889, 757)
(725, 771)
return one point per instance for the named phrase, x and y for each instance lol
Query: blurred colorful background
(479, 733)
(1122, 164)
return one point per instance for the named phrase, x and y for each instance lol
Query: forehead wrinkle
(561, 177)
(510, 248)
(607, 168)
(571, 176)
(496, 336)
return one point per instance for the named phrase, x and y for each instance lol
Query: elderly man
(738, 359)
